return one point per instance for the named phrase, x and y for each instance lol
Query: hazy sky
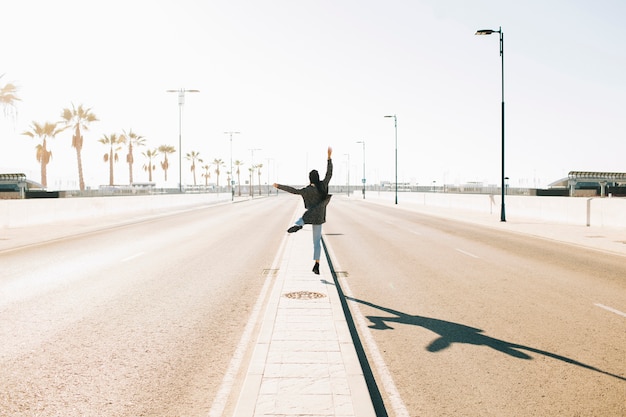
(295, 76)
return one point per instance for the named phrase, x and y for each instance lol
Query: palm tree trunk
(44, 162)
(81, 180)
(44, 175)
(111, 168)
(130, 162)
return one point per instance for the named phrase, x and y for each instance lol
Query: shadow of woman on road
(451, 333)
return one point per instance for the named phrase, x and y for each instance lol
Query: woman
(316, 198)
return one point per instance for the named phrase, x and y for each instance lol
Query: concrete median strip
(304, 360)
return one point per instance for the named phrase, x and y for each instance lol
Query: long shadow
(451, 333)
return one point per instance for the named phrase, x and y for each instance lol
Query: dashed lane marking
(611, 309)
(131, 257)
(468, 254)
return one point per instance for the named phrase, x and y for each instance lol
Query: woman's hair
(314, 177)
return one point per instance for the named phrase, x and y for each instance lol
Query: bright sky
(297, 76)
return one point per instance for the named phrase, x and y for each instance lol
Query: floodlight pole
(181, 101)
(489, 32)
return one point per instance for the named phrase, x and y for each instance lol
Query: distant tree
(114, 142)
(165, 164)
(149, 154)
(194, 156)
(251, 170)
(238, 164)
(218, 164)
(207, 174)
(78, 118)
(132, 139)
(43, 132)
(8, 97)
(258, 168)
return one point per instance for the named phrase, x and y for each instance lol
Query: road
(139, 319)
(143, 318)
(462, 320)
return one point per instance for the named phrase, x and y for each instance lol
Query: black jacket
(314, 202)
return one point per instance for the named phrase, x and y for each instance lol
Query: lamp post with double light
(181, 102)
(489, 32)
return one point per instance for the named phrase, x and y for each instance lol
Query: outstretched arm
(287, 188)
(329, 167)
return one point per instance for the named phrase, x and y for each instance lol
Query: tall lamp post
(181, 101)
(363, 179)
(489, 32)
(395, 124)
(348, 174)
(252, 172)
(232, 178)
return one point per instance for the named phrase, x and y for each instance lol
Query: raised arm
(329, 167)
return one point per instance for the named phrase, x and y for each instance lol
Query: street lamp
(489, 32)
(181, 101)
(348, 174)
(395, 124)
(268, 175)
(252, 172)
(363, 179)
(232, 178)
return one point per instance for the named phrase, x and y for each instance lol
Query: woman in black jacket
(316, 198)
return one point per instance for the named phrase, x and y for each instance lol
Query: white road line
(395, 399)
(611, 309)
(468, 254)
(131, 257)
(398, 406)
(219, 403)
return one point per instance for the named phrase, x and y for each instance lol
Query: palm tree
(8, 97)
(78, 118)
(43, 132)
(114, 143)
(149, 166)
(218, 163)
(238, 163)
(258, 167)
(251, 170)
(206, 174)
(194, 156)
(165, 164)
(133, 140)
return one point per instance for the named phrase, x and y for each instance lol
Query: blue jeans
(317, 238)
(317, 241)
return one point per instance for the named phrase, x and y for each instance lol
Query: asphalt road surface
(142, 319)
(134, 320)
(462, 320)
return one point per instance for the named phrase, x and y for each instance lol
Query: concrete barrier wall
(32, 212)
(605, 212)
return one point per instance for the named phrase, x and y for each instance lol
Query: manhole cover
(304, 295)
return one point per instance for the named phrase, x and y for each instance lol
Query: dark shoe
(316, 268)
(294, 228)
